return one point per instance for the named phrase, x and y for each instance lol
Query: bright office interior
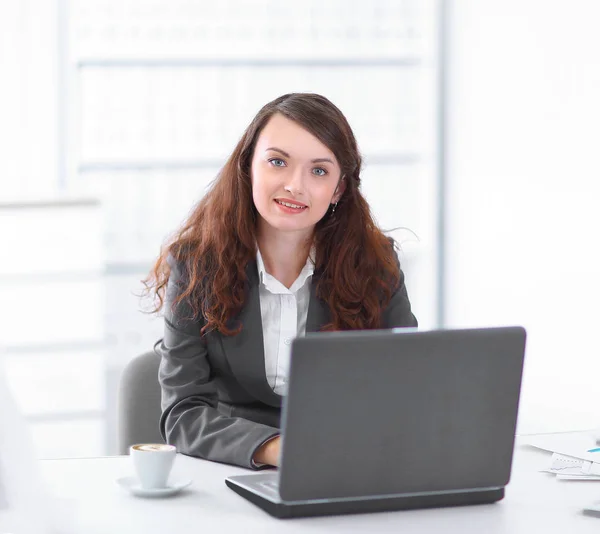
(478, 122)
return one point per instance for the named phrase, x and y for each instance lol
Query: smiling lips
(291, 206)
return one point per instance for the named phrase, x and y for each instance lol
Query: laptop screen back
(374, 413)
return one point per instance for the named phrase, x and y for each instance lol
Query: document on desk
(576, 445)
(569, 468)
(576, 456)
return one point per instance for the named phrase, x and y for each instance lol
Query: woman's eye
(277, 162)
(319, 171)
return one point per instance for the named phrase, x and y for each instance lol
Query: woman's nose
(295, 182)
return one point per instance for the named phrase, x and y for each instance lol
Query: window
(152, 96)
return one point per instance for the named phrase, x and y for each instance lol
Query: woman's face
(294, 176)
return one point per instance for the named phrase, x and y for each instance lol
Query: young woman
(282, 244)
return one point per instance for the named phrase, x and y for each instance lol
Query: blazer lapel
(318, 313)
(245, 352)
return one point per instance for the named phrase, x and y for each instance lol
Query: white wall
(29, 134)
(524, 183)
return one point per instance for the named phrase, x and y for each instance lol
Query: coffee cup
(152, 463)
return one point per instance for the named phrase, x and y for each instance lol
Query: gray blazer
(216, 401)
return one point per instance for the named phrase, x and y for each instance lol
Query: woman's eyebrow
(316, 160)
(279, 150)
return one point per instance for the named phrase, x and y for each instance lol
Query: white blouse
(283, 313)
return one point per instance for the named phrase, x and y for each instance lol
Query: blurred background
(478, 122)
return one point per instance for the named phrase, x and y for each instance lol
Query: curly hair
(357, 264)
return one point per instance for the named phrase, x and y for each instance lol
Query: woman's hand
(268, 453)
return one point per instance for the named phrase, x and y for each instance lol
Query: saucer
(132, 485)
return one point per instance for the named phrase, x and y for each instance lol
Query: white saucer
(132, 485)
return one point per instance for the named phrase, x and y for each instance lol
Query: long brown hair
(356, 263)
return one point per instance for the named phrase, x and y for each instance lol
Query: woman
(282, 244)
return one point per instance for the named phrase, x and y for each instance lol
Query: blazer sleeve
(398, 313)
(190, 419)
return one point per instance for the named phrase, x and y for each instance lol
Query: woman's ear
(339, 190)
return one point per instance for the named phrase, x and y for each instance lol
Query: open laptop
(394, 419)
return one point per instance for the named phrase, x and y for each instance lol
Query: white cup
(152, 463)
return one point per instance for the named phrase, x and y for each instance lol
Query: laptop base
(287, 511)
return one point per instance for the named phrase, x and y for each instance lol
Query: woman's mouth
(290, 207)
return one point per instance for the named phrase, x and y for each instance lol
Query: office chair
(138, 402)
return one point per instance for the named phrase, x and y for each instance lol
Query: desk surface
(534, 502)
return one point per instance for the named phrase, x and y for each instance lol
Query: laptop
(394, 420)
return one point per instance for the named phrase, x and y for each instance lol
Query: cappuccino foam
(153, 447)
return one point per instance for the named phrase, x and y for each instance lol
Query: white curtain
(29, 128)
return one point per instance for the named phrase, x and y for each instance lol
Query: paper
(569, 468)
(577, 477)
(576, 456)
(575, 445)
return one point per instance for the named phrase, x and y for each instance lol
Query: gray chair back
(138, 403)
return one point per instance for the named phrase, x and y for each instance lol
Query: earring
(333, 210)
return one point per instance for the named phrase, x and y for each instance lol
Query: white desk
(535, 503)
